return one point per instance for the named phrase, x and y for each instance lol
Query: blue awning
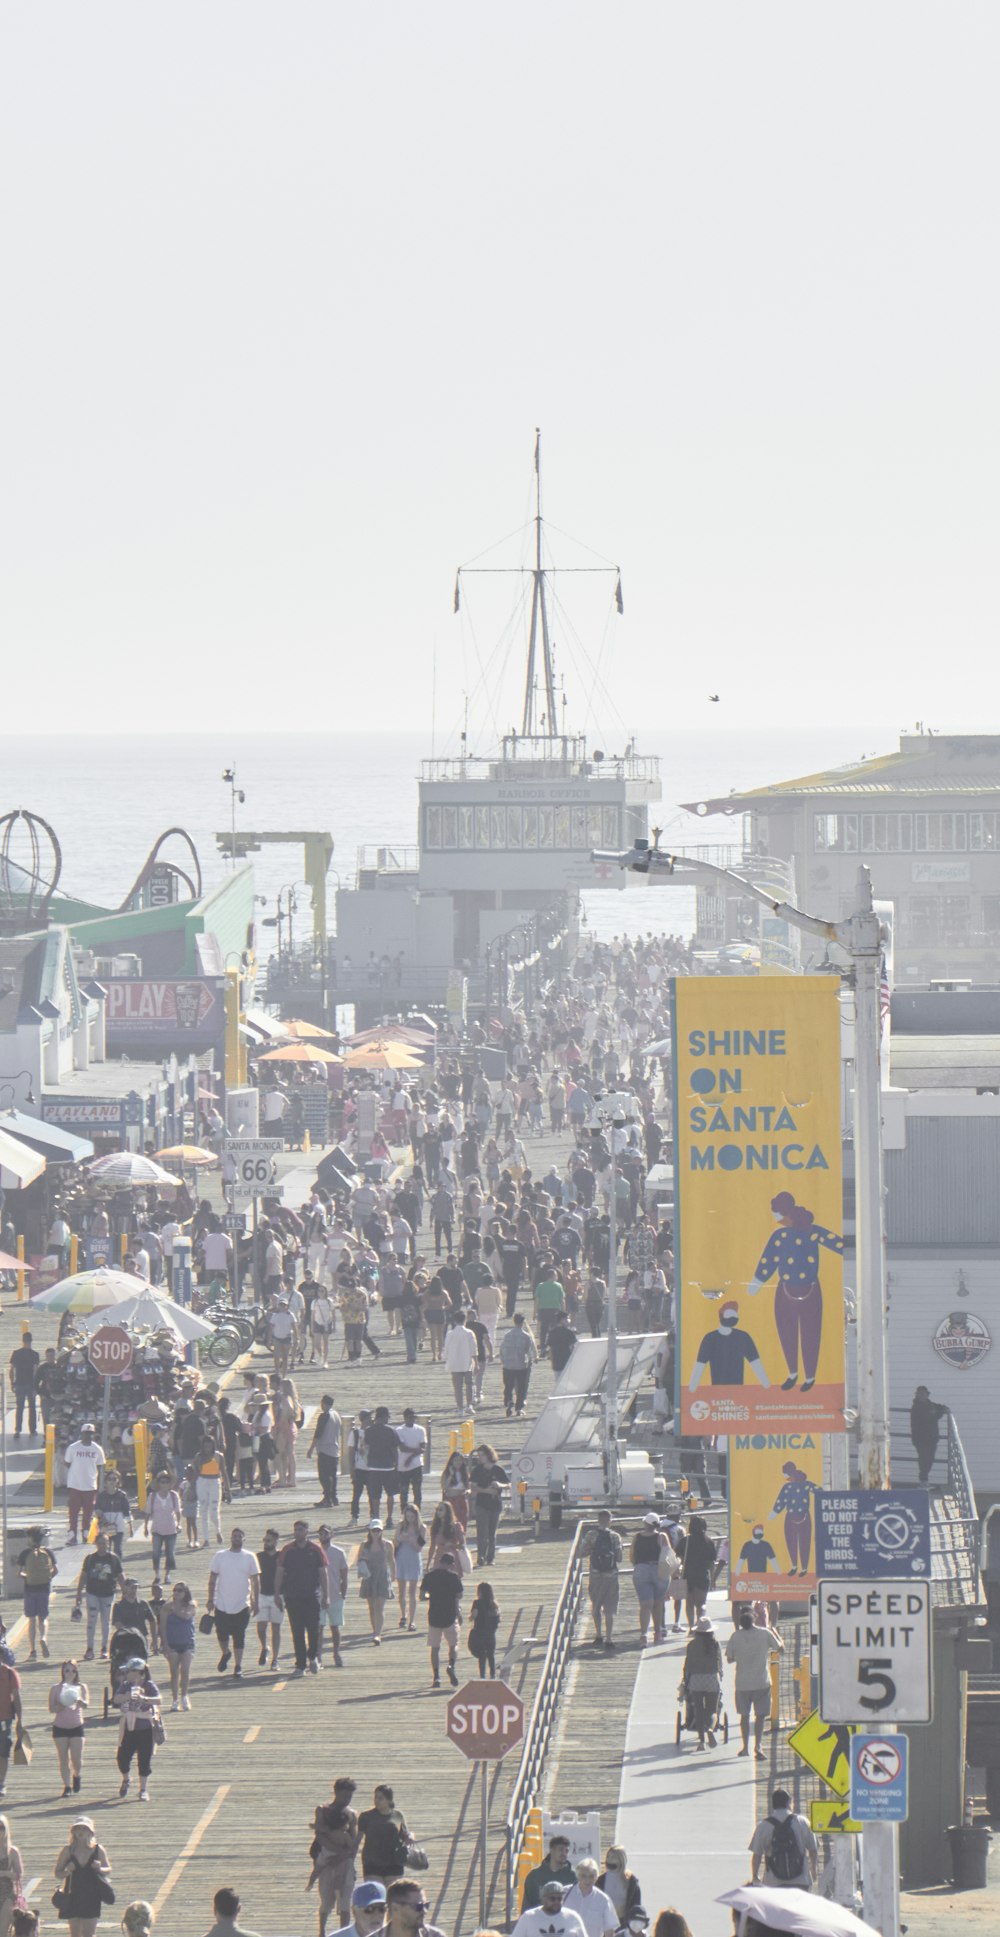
(57, 1146)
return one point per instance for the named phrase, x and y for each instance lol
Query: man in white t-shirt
(216, 1252)
(412, 1441)
(84, 1460)
(275, 1104)
(233, 1592)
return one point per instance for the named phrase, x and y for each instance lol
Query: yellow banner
(773, 1478)
(759, 1200)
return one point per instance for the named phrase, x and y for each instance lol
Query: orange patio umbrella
(299, 1052)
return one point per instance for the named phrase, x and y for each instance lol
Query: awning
(59, 1146)
(268, 1028)
(18, 1164)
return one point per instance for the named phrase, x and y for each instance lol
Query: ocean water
(108, 799)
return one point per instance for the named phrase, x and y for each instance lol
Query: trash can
(970, 1855)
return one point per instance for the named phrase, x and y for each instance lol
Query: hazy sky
(287, 288)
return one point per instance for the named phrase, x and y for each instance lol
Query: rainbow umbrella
(91, 1291)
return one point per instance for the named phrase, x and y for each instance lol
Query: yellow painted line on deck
(278, 1686)
(252, 1734)
(177, 1869)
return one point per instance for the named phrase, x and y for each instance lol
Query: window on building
(991, 918)
(983, 832)
(939, 920)
(936, 833)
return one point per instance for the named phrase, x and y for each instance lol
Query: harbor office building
(925, 820)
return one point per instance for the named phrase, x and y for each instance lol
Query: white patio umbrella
(798, 1911)
(151, 1312)
(131, 1170)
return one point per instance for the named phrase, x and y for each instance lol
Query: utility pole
(860, 938)
(611, 1118)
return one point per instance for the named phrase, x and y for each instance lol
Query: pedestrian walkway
(685, 1817)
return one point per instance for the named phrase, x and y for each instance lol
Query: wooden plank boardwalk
(234, 1788)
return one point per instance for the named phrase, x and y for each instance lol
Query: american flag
(884, 996)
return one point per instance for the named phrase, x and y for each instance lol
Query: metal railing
(955, 1529)
(544, 1711)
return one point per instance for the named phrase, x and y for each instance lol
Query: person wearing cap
(367, 1910)
(701, 1681)
(84, 1460)
(555, 1867)
(376, 1573)
(226, 1906)
(549, 1918)
(302, 1584)
(751, 1648)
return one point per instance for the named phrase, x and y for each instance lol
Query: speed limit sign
(248, 1167)
(875, 1651)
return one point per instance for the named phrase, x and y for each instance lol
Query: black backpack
(784, 1858)
(603, 1559)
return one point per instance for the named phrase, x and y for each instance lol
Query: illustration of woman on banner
(795, 1502)
(791, 1254)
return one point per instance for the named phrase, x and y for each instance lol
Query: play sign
(485, 1719)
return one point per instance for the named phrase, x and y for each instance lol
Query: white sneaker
(174, 1707)
(186, 1701)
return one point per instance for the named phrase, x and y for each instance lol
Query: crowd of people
(458, 1252)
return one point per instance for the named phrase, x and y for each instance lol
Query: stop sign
(485, 1719)
(111, 1351)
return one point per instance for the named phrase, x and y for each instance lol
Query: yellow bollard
(122, 1246)
(525, 1864)
(50, 1467)
(306, 1141)
(140, 1444)
(74, 1252)
(533, 1840)
(21, 1292)
(775, 1702)
(467, 1435)
(803, 1687)
(452, 1442)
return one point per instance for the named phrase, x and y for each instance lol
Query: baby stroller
(686, 1724)
(126, 1646)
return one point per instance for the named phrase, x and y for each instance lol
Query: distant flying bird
(714, 697)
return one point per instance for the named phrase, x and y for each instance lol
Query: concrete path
(684, 1817)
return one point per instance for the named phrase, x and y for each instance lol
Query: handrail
(543, 1711)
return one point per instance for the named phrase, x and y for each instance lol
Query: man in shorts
(751, 1649)
(338, 1578)
(441, 1588)
(233, 1596)
(270, 1610)
(604, 1550)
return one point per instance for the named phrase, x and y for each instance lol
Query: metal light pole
(860, 938)
(606, 1119)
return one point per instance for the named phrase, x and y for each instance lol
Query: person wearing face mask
(622, 1885)
(726, 1352)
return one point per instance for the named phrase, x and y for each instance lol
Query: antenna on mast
(539, 612)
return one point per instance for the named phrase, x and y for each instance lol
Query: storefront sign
(759, 1204)
(68, 1111)
(192, 1012)
(962, 1340)
(773, 1481)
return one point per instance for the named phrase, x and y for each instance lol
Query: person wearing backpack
(786, 1846)
(604, 1551)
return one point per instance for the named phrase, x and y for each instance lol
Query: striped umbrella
(91, 1291)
